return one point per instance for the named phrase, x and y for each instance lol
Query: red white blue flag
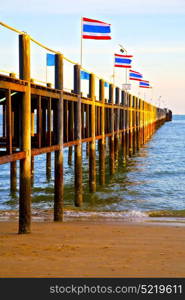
(96, 30)
(133, 75)
(144, 84)
(122, 61)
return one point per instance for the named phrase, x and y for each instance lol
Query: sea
(150, 185)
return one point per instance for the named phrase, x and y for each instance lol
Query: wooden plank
(12, 157)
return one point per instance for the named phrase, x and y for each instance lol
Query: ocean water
(152, 181)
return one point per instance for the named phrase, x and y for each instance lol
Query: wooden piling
(111, 145)
(117, 116)
(92, 144)
(4, 120)
(59, 181)
(127, 123)
(133, 124)
(48, 155)
(130, 126)
(124, 126)
(102, 141)
(71, 131)
(78, 137)
(25, 164)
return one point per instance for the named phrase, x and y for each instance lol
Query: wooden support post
(25, 164)
(134, 124)
(59, 180)
(140, 123)
(92, 144)
(13, 177)
(9, 141)
(65, 121)
(44, 136)
(144, 122)
(32, 123)
(48, 155)
(13, 173)
(111, 100)
(128, 123)
(71, 131)
(78, 137)
(124, 140)
(102, 133)
(130, 127)
(32, 170)
(87, 128)
(117, 126)
(4, 120)
(8, 122)
(137, 125)
(39, 122)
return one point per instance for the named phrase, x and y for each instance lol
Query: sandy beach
(86, 249)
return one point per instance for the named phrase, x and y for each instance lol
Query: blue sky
(153, 31)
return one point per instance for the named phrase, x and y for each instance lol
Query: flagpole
(81, 44)
(113, 75)
(126, 72)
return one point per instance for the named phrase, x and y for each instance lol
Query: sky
(152, 31)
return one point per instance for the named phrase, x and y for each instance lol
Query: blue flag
(84, 75)
(50, 59)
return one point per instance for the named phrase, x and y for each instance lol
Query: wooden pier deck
(41, 119)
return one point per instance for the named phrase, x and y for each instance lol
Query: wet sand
(87, 249)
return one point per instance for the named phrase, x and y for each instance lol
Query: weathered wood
(32, 170)
(65, 121)
(130, 126)
(12, 157)
(102, 141)
(87, 134)
(111, 100)
(13, 177)
(48, 155)
(78, 136)
(71, 130)
(117, 120)
(8, 122)
(39, 122)
(59, 181)
(92, 144)
(4, 120)
(25, 164)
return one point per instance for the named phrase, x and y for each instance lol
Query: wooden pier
(40, 119)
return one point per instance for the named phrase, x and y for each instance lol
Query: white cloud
(93, 6)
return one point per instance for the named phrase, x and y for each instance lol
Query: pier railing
(39, 119)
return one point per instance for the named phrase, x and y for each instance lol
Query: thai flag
(144, 84)
(122, 61)
(133, 75)
(96, 30)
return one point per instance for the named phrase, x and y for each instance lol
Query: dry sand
(83, 249)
